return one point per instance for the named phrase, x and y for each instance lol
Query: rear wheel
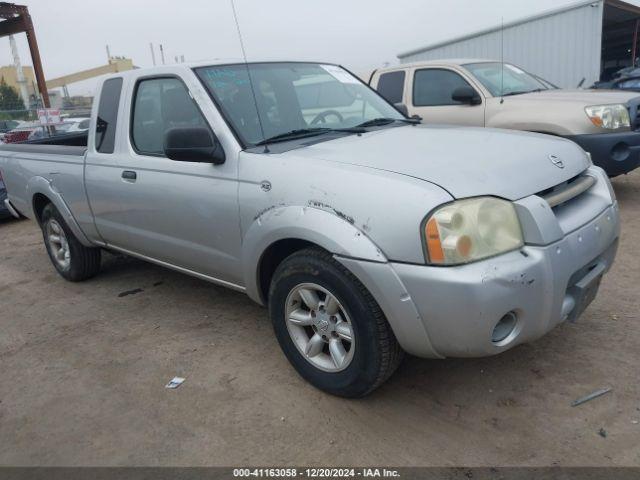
(71, 259)
(329, 326)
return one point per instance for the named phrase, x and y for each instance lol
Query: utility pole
(162, 54)
(153, 54)
(181, 58)
(22, 82)
(108, 54)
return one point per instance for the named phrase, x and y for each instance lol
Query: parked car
(482, 93)
(367, 235)
(6, 126)
(36, 131)
(22, 132)
(610, 76)
(74, 125)
(629, 80)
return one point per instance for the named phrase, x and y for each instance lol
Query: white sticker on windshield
(514, 68)
(340, 74)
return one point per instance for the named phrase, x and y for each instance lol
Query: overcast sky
(360, 34)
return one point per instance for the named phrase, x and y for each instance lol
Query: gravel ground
(84, 368)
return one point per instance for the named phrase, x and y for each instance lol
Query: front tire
(72, 260)
(330, 327)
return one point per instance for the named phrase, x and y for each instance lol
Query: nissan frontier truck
(365, 234)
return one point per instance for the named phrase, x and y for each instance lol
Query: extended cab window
(108, 115)
(434, 87)
(391, 86)
(159, 105)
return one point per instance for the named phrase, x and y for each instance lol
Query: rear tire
(360, 351)
(72, 260)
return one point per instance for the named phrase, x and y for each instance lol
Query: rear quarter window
(108, 115)
(391, 86)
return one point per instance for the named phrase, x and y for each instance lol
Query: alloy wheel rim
(320, 327)
(58, 244)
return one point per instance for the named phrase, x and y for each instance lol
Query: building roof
(442, 61)
(548, 13)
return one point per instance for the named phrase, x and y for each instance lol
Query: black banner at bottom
(278, 473)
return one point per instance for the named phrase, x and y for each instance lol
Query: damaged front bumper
(439, 312)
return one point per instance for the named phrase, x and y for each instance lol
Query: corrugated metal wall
(561, 47)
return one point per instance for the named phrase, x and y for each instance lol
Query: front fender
(511, 123)
(40, 185)
(327, 230)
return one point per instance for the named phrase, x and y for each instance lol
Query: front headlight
(610, 117)
(468, 230)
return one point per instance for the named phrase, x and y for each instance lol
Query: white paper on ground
(175, 382)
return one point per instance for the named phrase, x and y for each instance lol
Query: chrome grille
(568, 190)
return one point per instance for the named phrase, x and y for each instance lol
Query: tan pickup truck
(481, 93)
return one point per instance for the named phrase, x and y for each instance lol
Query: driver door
(181, 213)
(430, 93)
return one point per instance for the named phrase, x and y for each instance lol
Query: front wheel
(72, 260)
(329, 326)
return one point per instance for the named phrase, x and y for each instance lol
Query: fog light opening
(505, 327)
(620, 152)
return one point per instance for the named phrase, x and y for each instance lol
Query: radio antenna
(502, 60)
(246, 63)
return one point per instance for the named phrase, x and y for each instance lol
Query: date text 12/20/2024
(315, 472)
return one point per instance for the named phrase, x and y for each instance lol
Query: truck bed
(54, 166)
(72, 144)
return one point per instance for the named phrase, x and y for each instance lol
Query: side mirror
(402, 108)
(193, 144)
(466, 95)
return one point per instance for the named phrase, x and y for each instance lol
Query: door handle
(129, 175)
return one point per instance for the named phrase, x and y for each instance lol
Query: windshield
(509, 80)
(291, 97)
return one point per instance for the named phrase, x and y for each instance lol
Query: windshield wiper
(524, 91)
(375, 122)
(311, 132)
(307, 132)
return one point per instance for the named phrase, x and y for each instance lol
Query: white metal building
(564, 46)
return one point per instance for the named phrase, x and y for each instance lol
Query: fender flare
(327, 230)
(44, 187)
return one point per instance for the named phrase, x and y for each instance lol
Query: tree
(10, 101)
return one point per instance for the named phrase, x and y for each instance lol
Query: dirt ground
(84, 366)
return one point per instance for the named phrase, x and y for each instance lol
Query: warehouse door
(620, 41)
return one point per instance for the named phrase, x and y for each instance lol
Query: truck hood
(582, 97)
(464, 161)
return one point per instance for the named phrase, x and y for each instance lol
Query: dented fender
(327, 229)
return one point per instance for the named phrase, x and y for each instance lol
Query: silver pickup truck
(366, 234)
